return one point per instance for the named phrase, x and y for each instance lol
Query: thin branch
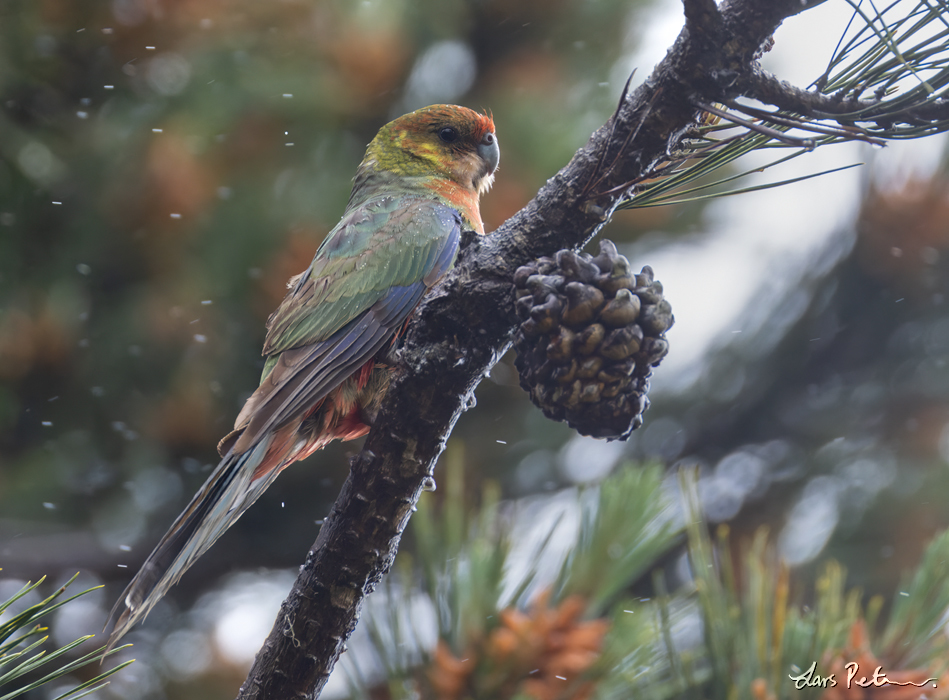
(768, 88)
(765, 87)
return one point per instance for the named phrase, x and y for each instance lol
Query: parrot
(415, 194)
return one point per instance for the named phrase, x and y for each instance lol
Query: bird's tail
(227, 493)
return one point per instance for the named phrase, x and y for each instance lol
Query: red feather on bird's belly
(342, 420)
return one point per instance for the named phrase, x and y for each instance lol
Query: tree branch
(765, 87)
(464, 326)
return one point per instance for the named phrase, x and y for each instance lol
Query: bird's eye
(448, 135)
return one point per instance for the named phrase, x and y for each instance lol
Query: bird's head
(443, 141)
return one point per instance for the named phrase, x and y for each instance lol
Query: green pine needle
(621, 535)
(21, 642)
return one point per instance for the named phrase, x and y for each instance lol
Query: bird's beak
(489, 151)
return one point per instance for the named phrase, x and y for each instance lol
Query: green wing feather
(385, 242)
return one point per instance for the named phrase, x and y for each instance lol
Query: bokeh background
(166, 166)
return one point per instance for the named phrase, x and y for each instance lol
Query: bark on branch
(761, 85)
(465, 325)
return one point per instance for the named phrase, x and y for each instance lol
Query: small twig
(765, 87)
(761, 85)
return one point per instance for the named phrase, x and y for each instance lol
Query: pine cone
(590, 334)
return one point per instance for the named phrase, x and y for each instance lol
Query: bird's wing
(387, 242)
(365, 280)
